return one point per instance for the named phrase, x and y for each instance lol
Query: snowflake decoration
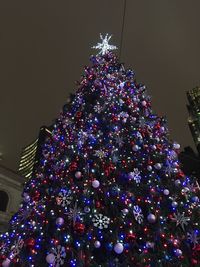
(168, 169)
(193, 238)
(3, 248)
(100, 154)
(21, 216)
(137, 212)
(193, 187)
(172, 155)
(181, 220)
(142, 122)
(135, 175)
(98, 108)
(115, 157)
(100, 221)
(139, 136)
(16, 248)
(64, 198)
(82, 137)
(104, 47)
(74, 213)
(119, 141)
(60, 255)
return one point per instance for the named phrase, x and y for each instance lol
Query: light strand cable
(122, 30)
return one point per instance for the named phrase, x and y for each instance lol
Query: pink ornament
(144, 103)
(6, 263)
(78, 174)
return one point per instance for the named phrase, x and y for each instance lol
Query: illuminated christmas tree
(109, 190)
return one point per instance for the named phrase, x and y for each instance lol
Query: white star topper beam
(104, 47)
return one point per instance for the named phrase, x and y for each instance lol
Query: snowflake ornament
(74, 213)
(115, 157)
(137, 212)
(104, 47)
(60, 255)
(193, 187)
(193, 238)
(100, 154)
(100, 221)
(169, 168)
(181, 220)
(16, 248)
(135, 175)
(119, 141)
(64, 198)
(98, 108)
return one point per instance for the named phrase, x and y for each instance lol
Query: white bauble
(149, 168)
(6, 263)
(50, 258)
(178, 252)
(97, 244)
(119, 248)
(26, 198)
(177, 182)
(166, 192)
(158, 166)
(150, 244)
(135, 148)
(176, 146)
(59, 221)
(95, 183)
(78, 174)
(174, 204)
(151, 218)
(125, 211)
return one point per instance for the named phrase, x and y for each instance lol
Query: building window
(3, 200)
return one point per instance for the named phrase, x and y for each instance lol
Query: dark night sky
(45, 44)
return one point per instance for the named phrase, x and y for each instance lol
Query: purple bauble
(151, 218)
(119, 248)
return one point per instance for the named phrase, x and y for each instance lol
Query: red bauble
(30, 243)
(79, 228)
(98, 204)
(73, 166)
(36, 196)
(131, 237)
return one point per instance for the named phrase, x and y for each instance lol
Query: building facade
(31, 154)
(11, 186)
(193, 96)
(189, 159)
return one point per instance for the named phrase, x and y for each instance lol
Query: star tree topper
(104, 47)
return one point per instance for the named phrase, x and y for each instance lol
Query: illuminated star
(104, 47)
